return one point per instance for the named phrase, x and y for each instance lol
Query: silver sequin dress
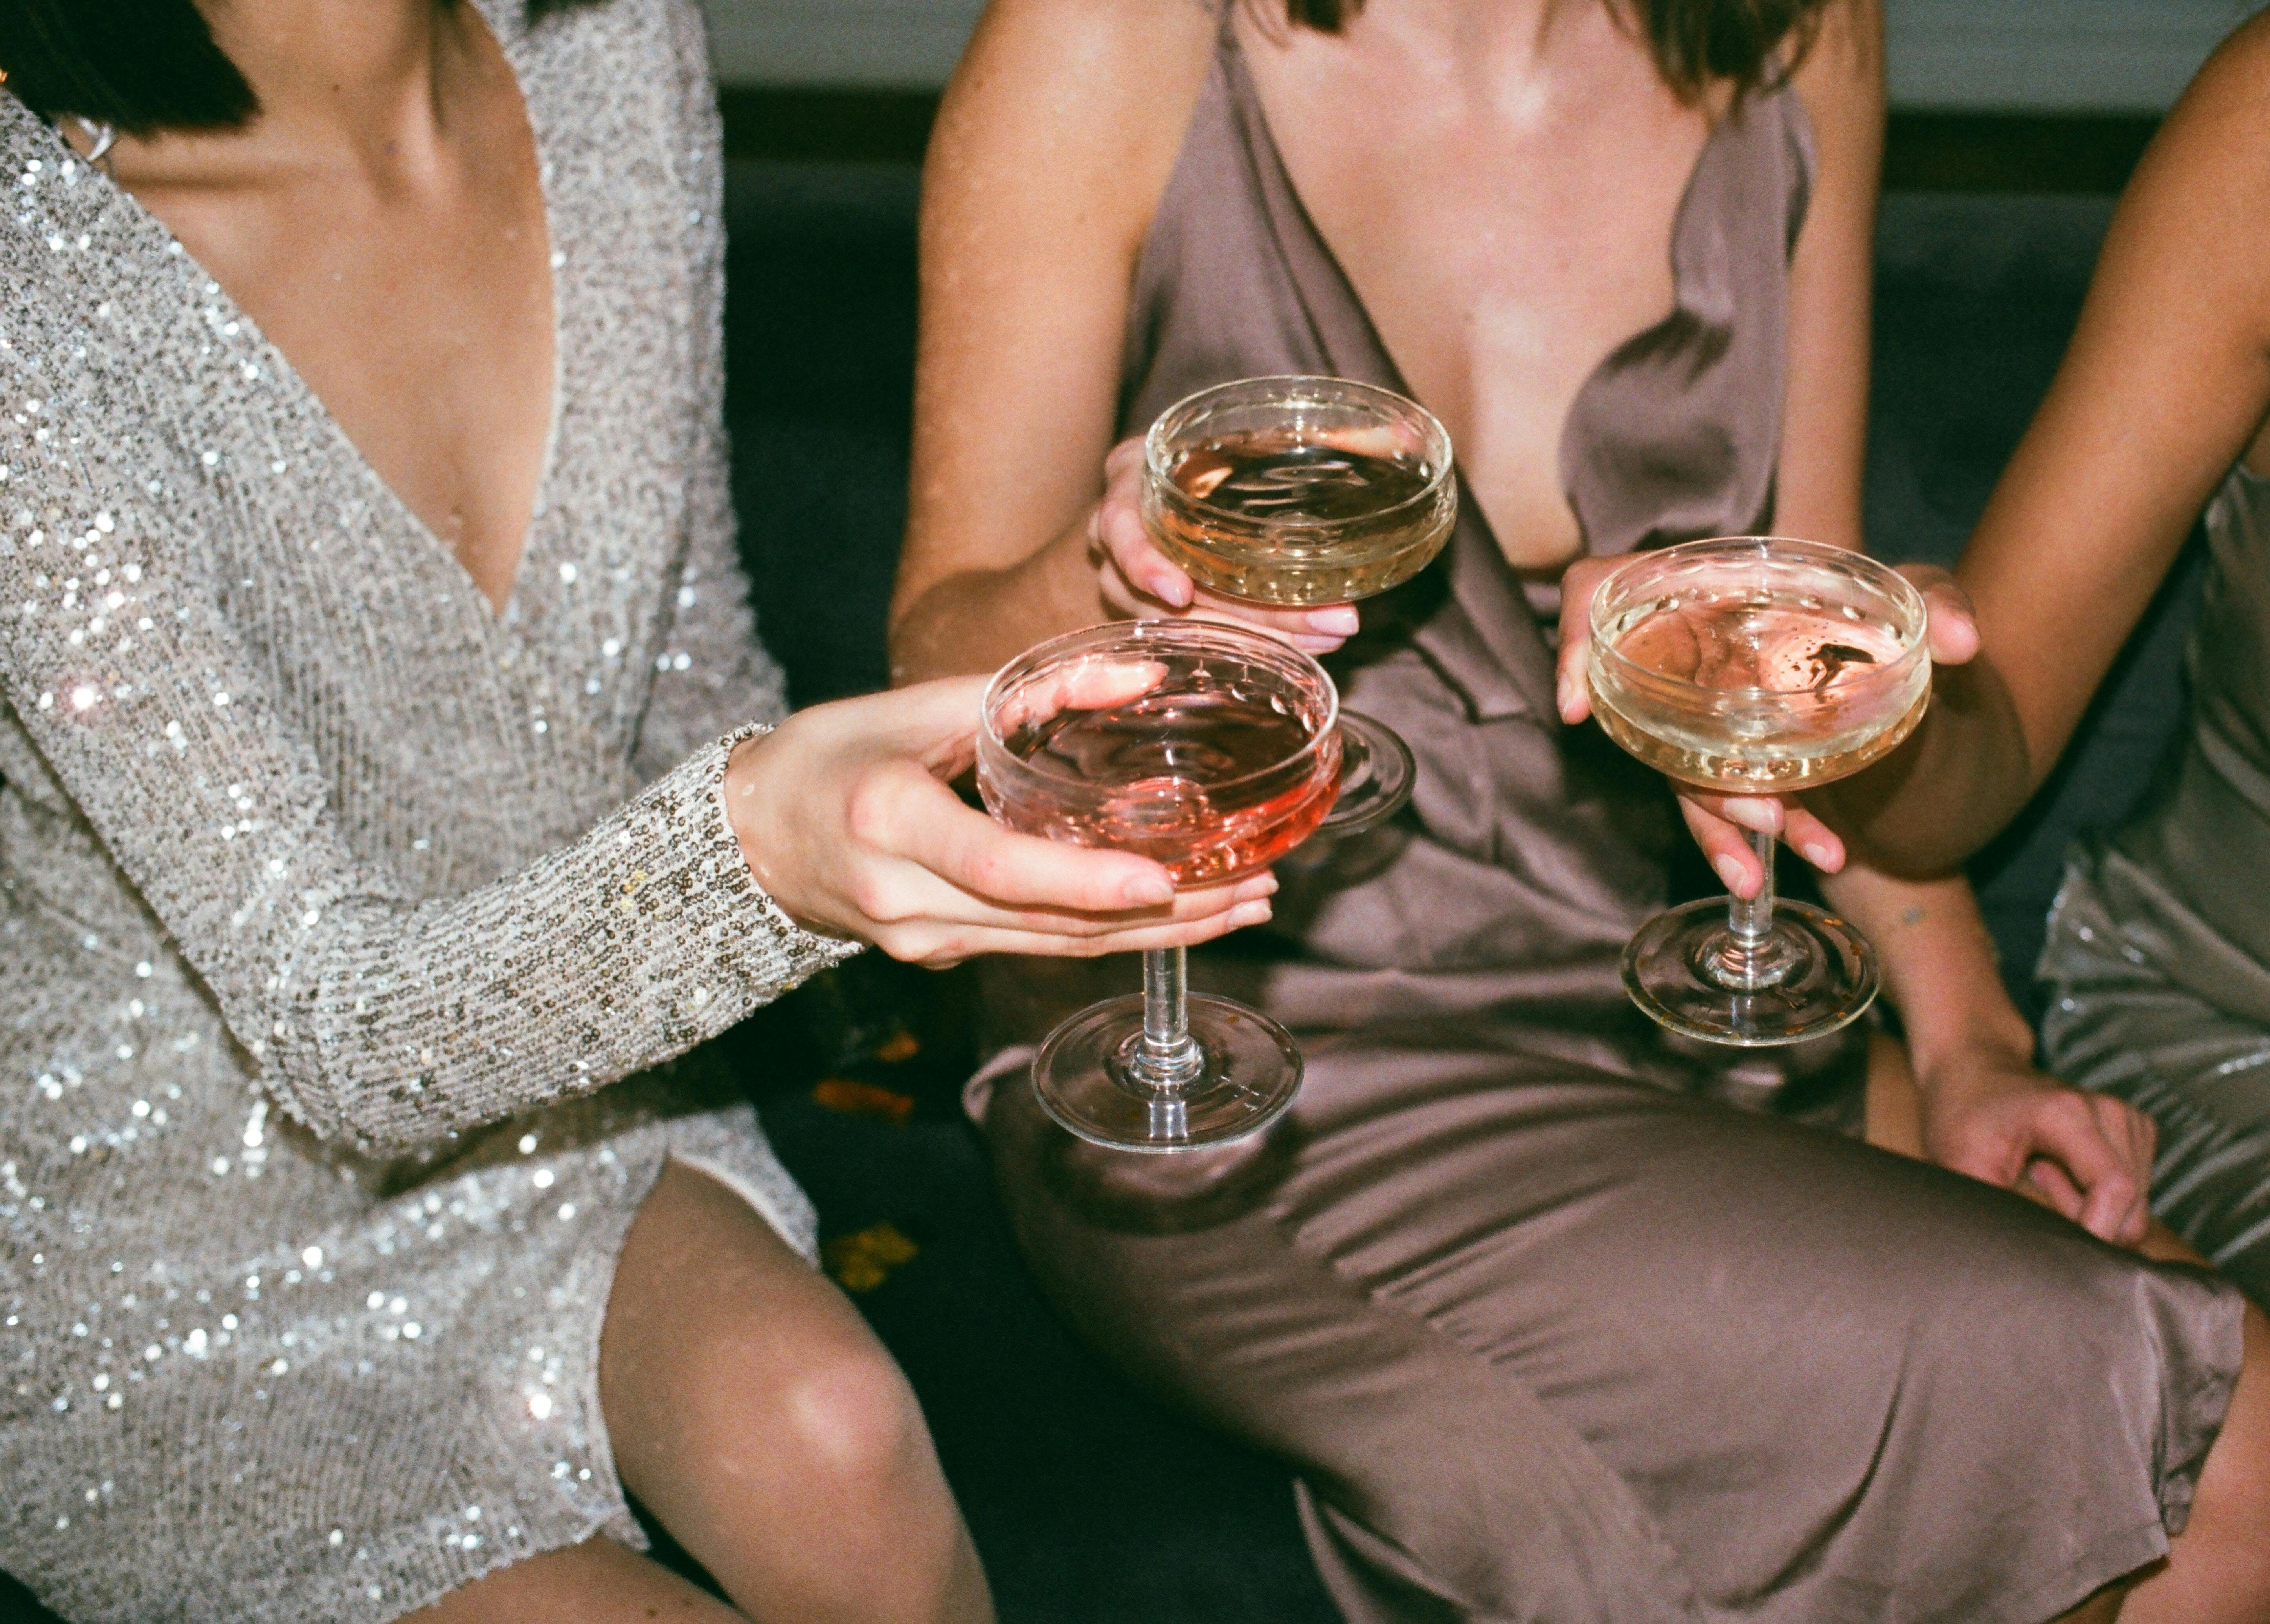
(331, 901)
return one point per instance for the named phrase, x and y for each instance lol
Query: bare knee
(846, 1419)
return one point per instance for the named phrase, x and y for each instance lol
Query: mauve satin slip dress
(1548, 1331)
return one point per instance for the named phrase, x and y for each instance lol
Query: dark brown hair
(142, 65)
(1694, 42)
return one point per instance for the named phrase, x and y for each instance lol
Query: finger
(935, 723)
(2066, 1133)
(1117, 528)
(1727, 848)
(1572, 694)
(1090, 684)
(1330, 625)
(973, 854)
(1811, 839)
(939, 948)
(2048, 1183)
(1952, 623)
(2137, 1136)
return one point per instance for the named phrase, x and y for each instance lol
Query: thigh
(596, 1583)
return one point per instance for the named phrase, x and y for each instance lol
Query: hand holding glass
(1756, 665)
(1298, 492)
(1212, 750)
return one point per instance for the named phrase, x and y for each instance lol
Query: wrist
(1976, 1054)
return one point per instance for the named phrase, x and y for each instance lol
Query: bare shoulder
(2219, 131)
(2198, 210)
(1079, 103)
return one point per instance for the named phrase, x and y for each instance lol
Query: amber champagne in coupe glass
(1212, 750)
(1296, 491)
(1756, 665)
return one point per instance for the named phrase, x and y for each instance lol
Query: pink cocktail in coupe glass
(1212, 750)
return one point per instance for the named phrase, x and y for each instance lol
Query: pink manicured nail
(1729, 873)
(1171, 589)
(1339, 620)
(1248, 913)
(1818, 855)
(1753, 814)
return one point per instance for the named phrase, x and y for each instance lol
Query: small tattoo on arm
(1911, 915)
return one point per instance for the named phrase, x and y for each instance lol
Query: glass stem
(1749, 957)
(1752, 921)
(1167, 1058)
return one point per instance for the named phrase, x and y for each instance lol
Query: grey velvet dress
(2158, 954)
(333, 906)
(1547, 1330)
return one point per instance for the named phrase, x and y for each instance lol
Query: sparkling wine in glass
(1298, 492)
(1756, 665)
(1214, 751)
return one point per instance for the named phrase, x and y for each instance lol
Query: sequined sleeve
(380, 1021)
(713, 674)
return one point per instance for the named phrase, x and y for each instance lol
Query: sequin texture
(328, 899)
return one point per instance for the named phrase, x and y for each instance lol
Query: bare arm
(2163, 388)
(1841, 82)
(1053, 147)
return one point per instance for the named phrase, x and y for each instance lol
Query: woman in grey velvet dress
(365, 899)
(1546, 1331)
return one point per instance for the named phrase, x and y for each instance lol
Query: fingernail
(1170, 589)
(1259, 885)
(1817, 854)
(1339, 620)
(1307, 644)
(1566, 698)
(1149, 891)
(1729, 873)
(1248, 913)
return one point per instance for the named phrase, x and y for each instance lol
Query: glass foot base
(1086, 1079)
(1813, 973)
(1376, 771)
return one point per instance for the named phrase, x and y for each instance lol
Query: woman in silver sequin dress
(380, 784)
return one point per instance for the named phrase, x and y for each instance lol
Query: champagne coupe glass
(1756, 665)
(1210, 749)
(1304, 491)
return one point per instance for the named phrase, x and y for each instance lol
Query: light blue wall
(2069, 54)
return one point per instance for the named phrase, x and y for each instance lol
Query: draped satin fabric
(1547, 1329)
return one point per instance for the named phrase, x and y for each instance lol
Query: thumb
(936, 720)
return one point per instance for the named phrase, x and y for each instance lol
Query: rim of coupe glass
(1437, 437)
(1915, 642)
(1100, 638)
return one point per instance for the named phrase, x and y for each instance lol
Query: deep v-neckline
(1567, 452)
(499, 617)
